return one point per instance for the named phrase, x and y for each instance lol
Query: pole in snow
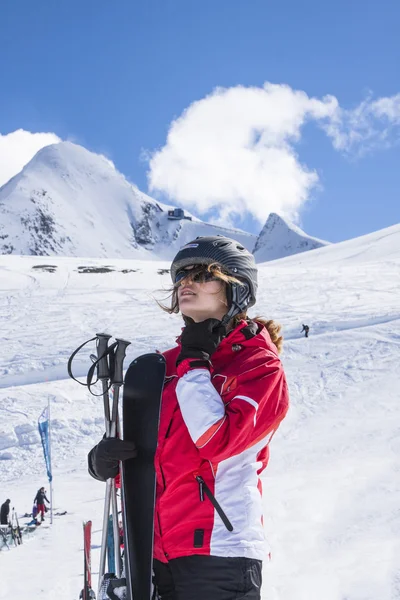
(51, 480)
(44, 431)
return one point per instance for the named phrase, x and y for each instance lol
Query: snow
(68, 201)
(280, 238)
(331, 491)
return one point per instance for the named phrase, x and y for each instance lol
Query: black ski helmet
(233, 258)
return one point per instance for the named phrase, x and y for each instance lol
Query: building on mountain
(177, 214)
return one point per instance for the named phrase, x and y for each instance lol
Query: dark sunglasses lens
(198, 277)
(202, 275)
(209, 276)
(180, 275)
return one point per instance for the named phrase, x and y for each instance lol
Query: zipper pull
(200, 481)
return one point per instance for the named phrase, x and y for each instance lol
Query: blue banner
(43, 424)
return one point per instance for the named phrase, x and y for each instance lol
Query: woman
(225, 395)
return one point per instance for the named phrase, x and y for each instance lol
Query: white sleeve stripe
(250, 401)
(247, 399)
(201, 405)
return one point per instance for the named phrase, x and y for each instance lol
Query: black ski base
(143, 386)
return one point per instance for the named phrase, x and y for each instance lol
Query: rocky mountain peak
(279, 238)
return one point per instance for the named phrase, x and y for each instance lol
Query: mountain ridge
(60, 204)
(68, 201)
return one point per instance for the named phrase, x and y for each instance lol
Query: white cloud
(388, 107)
(18, 148)
(372, 124)
(234, 151)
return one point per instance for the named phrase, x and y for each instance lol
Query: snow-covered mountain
(280, 238)
(68, 201)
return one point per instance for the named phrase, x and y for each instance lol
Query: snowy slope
(69, 201)
(379, 245)
(280, 238)
(331, 490)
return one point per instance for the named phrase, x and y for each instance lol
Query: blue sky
(114, 75)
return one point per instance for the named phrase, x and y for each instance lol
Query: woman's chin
(188, 313)
(196, 315)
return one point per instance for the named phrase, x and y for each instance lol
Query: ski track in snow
(332, 489)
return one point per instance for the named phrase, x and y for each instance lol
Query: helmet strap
(238, 296)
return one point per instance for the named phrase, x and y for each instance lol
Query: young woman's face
(201, 299)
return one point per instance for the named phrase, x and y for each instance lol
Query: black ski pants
(208, 578)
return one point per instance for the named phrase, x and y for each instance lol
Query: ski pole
(109, 366)
(103, 373)
(103, 549)
(115, 374)
(117, 381)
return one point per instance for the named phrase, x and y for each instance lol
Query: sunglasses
(197, 275)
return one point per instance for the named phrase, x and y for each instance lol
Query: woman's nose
(186, 280)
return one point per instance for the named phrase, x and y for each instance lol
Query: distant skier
(223, 400)
(4, 512)
(306, 329)
(40, 505)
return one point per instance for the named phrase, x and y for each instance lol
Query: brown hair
(273, 328)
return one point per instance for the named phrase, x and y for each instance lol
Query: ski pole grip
(102, 347)
(118, 377)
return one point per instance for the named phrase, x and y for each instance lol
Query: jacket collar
(245, 334)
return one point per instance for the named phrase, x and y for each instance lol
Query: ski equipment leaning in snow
(87, 593)
(225, 395)
(108, 365)
(16, 526)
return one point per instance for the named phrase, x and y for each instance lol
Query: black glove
(103, 459)
(200, 340)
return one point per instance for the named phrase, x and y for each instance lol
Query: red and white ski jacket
(214, 435)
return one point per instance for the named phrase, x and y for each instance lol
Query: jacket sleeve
(46, 498)
(257, 402)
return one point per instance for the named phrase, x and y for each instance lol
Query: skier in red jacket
(224, 397)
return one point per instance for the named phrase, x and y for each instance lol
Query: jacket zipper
(161, 469)
(204, 489)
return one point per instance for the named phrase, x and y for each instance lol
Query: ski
(87, 593)
(15, 524)
(143, 385)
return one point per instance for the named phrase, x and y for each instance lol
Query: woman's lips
(186, 292)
